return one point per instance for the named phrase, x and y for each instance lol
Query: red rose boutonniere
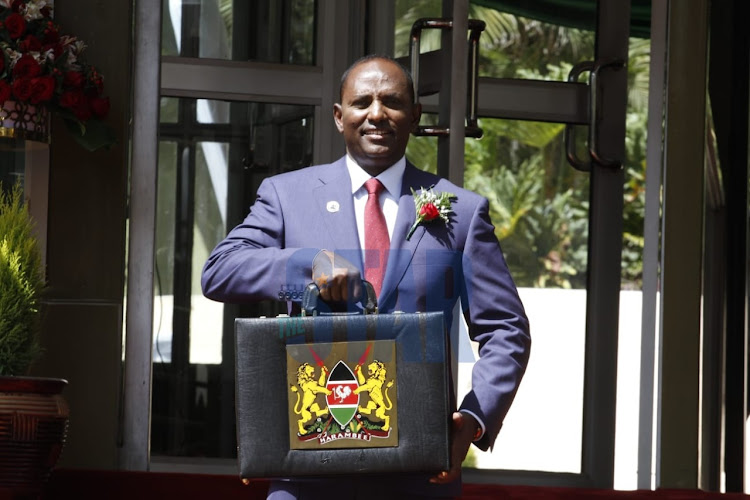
(430, 206)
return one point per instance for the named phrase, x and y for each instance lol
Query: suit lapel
(336, 207)
(402, 250)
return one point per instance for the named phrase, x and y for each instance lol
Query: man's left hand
(463, 429)
(337, 278)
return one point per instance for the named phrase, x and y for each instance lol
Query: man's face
(376, 114)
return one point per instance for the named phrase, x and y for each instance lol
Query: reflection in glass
(212, 157)
(278, 31)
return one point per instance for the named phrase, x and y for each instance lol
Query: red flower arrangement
(42, 67)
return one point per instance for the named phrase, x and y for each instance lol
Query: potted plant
(33, 413)
(42, 71)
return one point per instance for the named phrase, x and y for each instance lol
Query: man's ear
(337, 114)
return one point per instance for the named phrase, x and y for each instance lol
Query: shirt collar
(390, 178)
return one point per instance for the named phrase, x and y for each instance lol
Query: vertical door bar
(678, 435)
(331, 38)
(652, 217)
(383, 20)
(605, 250)
(444, 105)
(137, 378)
(730, 85)
(459, 84)
(453, 91)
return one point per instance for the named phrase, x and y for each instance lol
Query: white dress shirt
(391, 179)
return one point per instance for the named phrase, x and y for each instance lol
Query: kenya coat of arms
(342, 395)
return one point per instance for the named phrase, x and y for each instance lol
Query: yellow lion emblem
(310, 388)
(373, 385)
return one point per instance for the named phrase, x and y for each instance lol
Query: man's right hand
(337, 279)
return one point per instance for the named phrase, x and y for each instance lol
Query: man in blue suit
(310, 225)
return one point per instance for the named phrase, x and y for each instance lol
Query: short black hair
(372, 57)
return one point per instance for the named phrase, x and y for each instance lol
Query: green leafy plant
(21, 284)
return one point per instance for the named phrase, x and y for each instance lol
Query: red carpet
(78, 484)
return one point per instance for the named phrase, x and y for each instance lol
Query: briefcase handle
(369, 299)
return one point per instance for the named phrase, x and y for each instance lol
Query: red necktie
(377, 241)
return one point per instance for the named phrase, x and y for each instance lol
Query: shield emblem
(342, 402)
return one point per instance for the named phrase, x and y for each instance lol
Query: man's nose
(376, 111)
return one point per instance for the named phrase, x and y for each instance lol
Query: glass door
(216, 145)
(560, 227)
(212, 157)
(247, 90)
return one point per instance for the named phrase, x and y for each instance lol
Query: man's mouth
(376, 132)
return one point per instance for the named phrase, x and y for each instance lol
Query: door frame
(247, 81)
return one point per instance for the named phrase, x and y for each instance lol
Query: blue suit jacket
(290, 222)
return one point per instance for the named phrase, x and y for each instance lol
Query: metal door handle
(593, 128)
(569, 132)
(593, 67)
(475, 30)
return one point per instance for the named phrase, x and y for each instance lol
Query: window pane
(209, 222)
(509, 47)
(407, 13)
(210, 167)
(212, 111)
(168, 110)
(631, 297)
(517, 47)
(12, 168)
(279, 31)
(164, 258)
(539, 206)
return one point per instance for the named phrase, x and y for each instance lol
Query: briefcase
(342, 394)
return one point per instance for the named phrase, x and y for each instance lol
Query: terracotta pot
(33, 426)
